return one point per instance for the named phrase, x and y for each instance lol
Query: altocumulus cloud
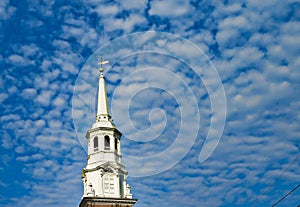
(255, 48)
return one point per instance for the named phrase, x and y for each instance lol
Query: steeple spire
(102, 102)
(104, 177)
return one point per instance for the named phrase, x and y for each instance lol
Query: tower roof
(103, 117)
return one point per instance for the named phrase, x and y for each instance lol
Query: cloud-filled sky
(164, 87)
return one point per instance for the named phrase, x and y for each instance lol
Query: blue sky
(166, 92)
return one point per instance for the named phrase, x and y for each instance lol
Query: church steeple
(104, 177)
(102, 102)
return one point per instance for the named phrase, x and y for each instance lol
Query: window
(109, 186)
(95, 144)
(106, 142)
(116, 144)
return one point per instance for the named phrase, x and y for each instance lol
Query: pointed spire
(102, 105)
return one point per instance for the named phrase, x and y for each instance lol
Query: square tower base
(106, 202)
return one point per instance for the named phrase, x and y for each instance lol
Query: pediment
(113, 167)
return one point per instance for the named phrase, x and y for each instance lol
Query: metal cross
(101, 63)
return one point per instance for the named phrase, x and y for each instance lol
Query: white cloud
(170, 8)
(19, 60)
(67, 61)
(40, 123)
(7, 141)
(29, 93)
(59, 101)
(44, 8)
(23, 158)
(127, 24)
(134, 4)
(289, 39)
(3, 97)
(237, 22)
(29, 50)
(110, 10)
(6, 11)
(61, 44)
(44, 98)
(255, 52)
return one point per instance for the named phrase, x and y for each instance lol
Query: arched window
(96, 144)
(106, 142)
(116, 144)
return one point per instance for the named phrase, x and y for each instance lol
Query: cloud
(19, 60)
(3, 97)
(6, 141)
(45, 98)
(134, 5)
(170, 8)
(6, 11)
(29, 50)
(252, 44)
(29, 93)
(127, 24)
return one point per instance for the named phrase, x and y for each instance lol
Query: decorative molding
(115, 130)
(95, 200)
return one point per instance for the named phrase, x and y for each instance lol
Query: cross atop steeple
(101, 63)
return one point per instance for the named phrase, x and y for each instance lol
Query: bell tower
(104, 177)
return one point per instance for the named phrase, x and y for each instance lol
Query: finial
(101, 63)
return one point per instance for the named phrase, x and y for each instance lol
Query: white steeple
(102, 102)
(103, 117)
(104, 176)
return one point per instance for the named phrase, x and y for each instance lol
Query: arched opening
(96, 145)
(106, 142)
(116, 144)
